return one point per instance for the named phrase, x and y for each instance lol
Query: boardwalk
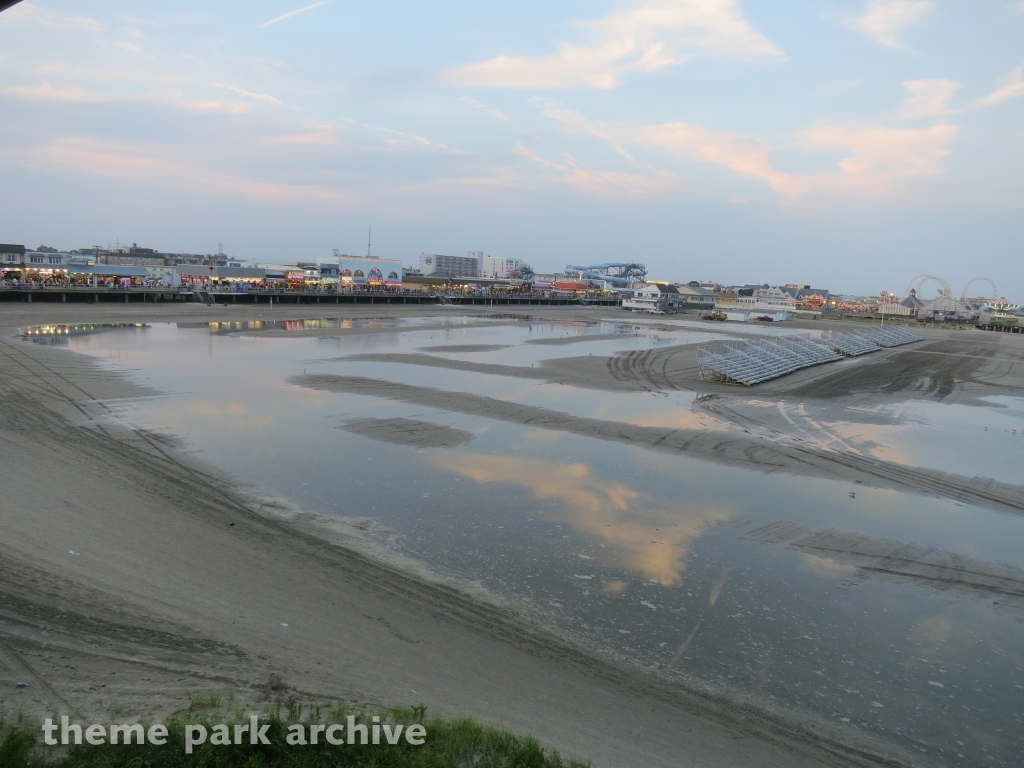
(153, 295)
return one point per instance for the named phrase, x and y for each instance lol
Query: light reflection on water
(646, 555)
(960, 439)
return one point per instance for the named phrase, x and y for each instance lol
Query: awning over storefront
(240, 273)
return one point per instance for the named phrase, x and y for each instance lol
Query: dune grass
(448, 744)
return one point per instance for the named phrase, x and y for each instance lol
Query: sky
(847, 144)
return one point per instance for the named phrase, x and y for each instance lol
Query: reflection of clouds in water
(934, 629)
(679, 418)
(614, 587)
(826, 566)
(226, 415)
(877, 440)
(1013, 404)
(682, 648)
(207, 408)
(630, 408)
(298, 395)
(542, 436)
(909, 432)
(654, 542)
(199, 418)
(716, 591)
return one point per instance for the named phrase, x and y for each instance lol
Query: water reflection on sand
(895, 613)
(648, 539)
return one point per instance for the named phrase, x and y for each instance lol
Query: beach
(134, 575)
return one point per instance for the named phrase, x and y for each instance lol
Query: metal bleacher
(848, 344)
(751, 362)
(891, 336)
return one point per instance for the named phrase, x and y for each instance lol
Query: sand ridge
(899, 561)
(412, 432)
(456, 348)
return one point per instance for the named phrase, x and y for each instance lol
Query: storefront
(196, 276)
(571, 287)
(107, 276)
(374, 274)
(20, 275)
(231, 278)
(240, 279)
(329, 276)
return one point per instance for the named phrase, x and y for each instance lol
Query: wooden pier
(1001, 327)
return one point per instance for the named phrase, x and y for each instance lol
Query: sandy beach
(134, 576)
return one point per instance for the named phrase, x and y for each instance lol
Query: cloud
(47, 92)
(643, 37)
(130, 47)
(288, 15)
(1011, 89)
(211, 105)
(249, 94)
(321, 134)
(928, 98)
(877, 157)
(165, 165)
(51, 19)
(651, 541)
(577, 124)
(479, 105)
(604, 183)
(744, 155)
(404, 136)
(882, 20)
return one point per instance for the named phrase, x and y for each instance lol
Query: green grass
(449, 744)
(209, 701)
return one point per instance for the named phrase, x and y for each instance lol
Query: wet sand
(418, 434)
(133, 576)
(671, 368)
(388, 320)
(751, 445)
(954, 369)
(455, 348)
(558, 342)
(871, 557)
(946, 369)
